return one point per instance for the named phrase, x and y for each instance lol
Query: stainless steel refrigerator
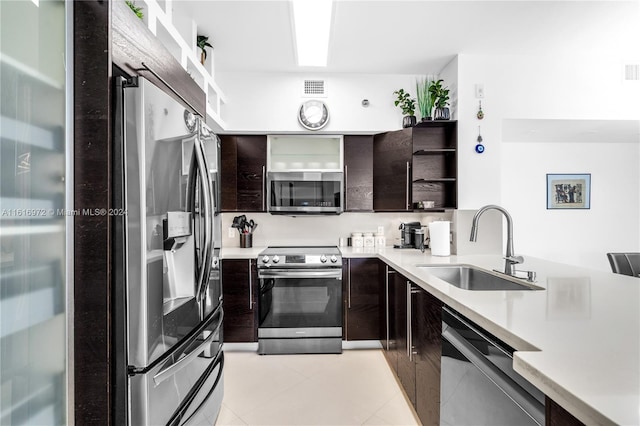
(167, 291)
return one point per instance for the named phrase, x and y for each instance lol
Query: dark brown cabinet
(413, 347)
(243, 173)
(240, 300)
(404, 349)
(388, 341)
(363, 300)
(392, 156)
(358, 172)
(426, 313)
(416, 164)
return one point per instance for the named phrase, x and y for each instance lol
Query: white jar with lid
(356, 239)
(368, 240)
(380, 240)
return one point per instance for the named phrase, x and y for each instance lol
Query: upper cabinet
(415, 165)
(358, 173)
(243, 174)
(392, 156)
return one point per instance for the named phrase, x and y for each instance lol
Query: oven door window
(300, 302)
(305, 193)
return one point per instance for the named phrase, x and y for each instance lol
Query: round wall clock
(313, 114)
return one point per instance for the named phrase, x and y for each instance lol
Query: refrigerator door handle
(196, 174)
(184, 361)
(208, 224)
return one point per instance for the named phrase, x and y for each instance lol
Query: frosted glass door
(33, 311)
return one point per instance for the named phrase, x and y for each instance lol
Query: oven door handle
(301, 273)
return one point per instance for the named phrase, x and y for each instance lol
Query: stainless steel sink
(471, 278)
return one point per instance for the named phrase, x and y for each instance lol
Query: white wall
(269, 103)
(516, 87)
(514, 174)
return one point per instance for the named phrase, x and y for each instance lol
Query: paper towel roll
(439, 238)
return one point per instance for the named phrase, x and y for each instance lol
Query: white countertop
(578, 341)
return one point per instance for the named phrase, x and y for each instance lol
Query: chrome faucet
(510, 259)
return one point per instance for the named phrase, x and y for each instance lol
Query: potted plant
(203, 43)
(137, 10)
(408, 106)
(441, 95)
(425, 98)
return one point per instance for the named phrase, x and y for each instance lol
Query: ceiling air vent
(314, 88)
(632, 72)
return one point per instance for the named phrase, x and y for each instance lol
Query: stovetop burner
(300, 256)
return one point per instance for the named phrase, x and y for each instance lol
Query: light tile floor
(356, 387)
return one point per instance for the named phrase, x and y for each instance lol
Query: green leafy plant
(136, 10)
(203, 43)
(405, 102)
(426, 100)
(440, 93)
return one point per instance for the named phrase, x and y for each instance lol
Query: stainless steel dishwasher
(478, 383)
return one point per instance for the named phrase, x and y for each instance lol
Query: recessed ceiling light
(312, 26)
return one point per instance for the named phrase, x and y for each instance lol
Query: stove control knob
(276, 259)
(323, 259)
(265, 259)
(333, 258)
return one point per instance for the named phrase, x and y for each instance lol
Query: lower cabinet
(426, 313)
(240, 296)
(363, 301)
(413, 347)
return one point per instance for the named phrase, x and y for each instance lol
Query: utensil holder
(246, 240)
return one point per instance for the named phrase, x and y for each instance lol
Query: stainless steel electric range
(300, 301)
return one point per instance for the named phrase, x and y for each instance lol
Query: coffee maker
(407, 234)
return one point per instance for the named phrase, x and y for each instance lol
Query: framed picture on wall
(569, 191)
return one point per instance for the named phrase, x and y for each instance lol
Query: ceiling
(415, 37)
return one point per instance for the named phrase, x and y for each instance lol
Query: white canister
(380, 240)
(368, 240)
(439, 238)
(356, 239)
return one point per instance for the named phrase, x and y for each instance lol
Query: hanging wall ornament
(479, 146)
(480, 114)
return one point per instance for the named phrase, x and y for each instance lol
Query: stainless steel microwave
(301, 192)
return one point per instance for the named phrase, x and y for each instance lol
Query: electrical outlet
(479, 91)
(380, 229)
(232, 232)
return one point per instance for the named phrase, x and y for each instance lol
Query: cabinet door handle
(264, 189)
(409, 336)
(349, 284)
(250, 287)
(408, 183)
(386, 290)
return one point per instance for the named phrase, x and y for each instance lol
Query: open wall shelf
(159, 19)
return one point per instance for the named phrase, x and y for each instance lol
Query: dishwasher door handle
(524, 400)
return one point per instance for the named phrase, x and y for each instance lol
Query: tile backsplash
(322, 230)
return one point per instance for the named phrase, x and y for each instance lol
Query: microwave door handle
(184, 361)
